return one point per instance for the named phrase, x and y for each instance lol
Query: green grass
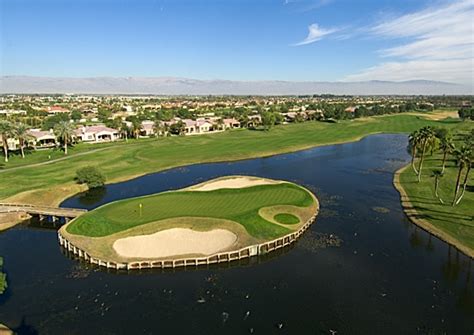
(239, 205)
(123, 161)
(458, 221)
(285, 218)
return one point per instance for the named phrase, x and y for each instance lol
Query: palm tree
(447, 146)
(427, 138)
(437, 174)
(464, 159)
(64, 130)
(220, 124)
(158, 128)
(136, 127)
(124, 130)
(21, 133)
(6, 132)
(414, 141)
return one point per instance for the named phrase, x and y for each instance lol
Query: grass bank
(49, 184)
(454, 225)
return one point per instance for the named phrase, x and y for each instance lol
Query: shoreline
(61, 194)
(411, 213)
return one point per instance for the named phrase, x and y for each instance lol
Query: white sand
(175, 242)
(237, 182)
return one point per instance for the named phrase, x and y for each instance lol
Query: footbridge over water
(55, 213)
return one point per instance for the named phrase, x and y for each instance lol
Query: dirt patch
(8, 220)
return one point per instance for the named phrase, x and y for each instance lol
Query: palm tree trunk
(413, 155)
(5, 150)
(22, 149)
(65, 146)
(464, 184)
(456, 190)
(421, 160)
(445, 154)
(436, 190)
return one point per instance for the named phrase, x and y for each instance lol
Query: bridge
(55, 213)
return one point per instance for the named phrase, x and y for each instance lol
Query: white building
(97, 134)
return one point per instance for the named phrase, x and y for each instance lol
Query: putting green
(239, 205)
(284, 218)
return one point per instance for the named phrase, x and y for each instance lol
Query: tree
(65, 132)
(53, 120)
(6, 132)
(136, 127)
(91, 176)
(464, 160)
(268, 120)
(76, 115)
(437, 174)
(220, 124)
(21, 133)
(123, 129)
(447, 146)
(427, 138)
(414, 142)
(177, 128)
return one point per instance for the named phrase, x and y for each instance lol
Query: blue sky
(324, 40)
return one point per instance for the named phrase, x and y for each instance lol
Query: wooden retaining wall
(227, 256)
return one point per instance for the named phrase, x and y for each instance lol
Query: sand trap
(175, 242)
(237, 182)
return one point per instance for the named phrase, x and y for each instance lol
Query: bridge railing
(46, 208)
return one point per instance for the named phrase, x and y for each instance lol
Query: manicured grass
(124, 161)
(238, 205)
(285, 218)
(458, 221)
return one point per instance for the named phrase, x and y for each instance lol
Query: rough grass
(285, 218)
(458, 221)
(124, 161)
(238, 205)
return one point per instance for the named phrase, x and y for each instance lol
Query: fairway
(49, 184)
(193, 221)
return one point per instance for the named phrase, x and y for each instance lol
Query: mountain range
(185, 86)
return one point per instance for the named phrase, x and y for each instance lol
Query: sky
(295, 40)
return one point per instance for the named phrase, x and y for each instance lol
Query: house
(198, 126)
(97, 134)
(254, 120)
(57, 110)
(12, 112)
(147, 128)
(203, 126)
(231, 123)
(42, 138)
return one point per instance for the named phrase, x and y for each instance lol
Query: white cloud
(315, 33)
(438, 45)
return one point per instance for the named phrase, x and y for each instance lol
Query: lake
(386, 277)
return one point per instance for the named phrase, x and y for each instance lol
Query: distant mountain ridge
(185, 86)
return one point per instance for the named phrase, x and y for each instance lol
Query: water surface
(387, 277)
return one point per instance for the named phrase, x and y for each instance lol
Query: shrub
(91, 176)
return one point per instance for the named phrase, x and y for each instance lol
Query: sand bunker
(175, 242)
(237, 182)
